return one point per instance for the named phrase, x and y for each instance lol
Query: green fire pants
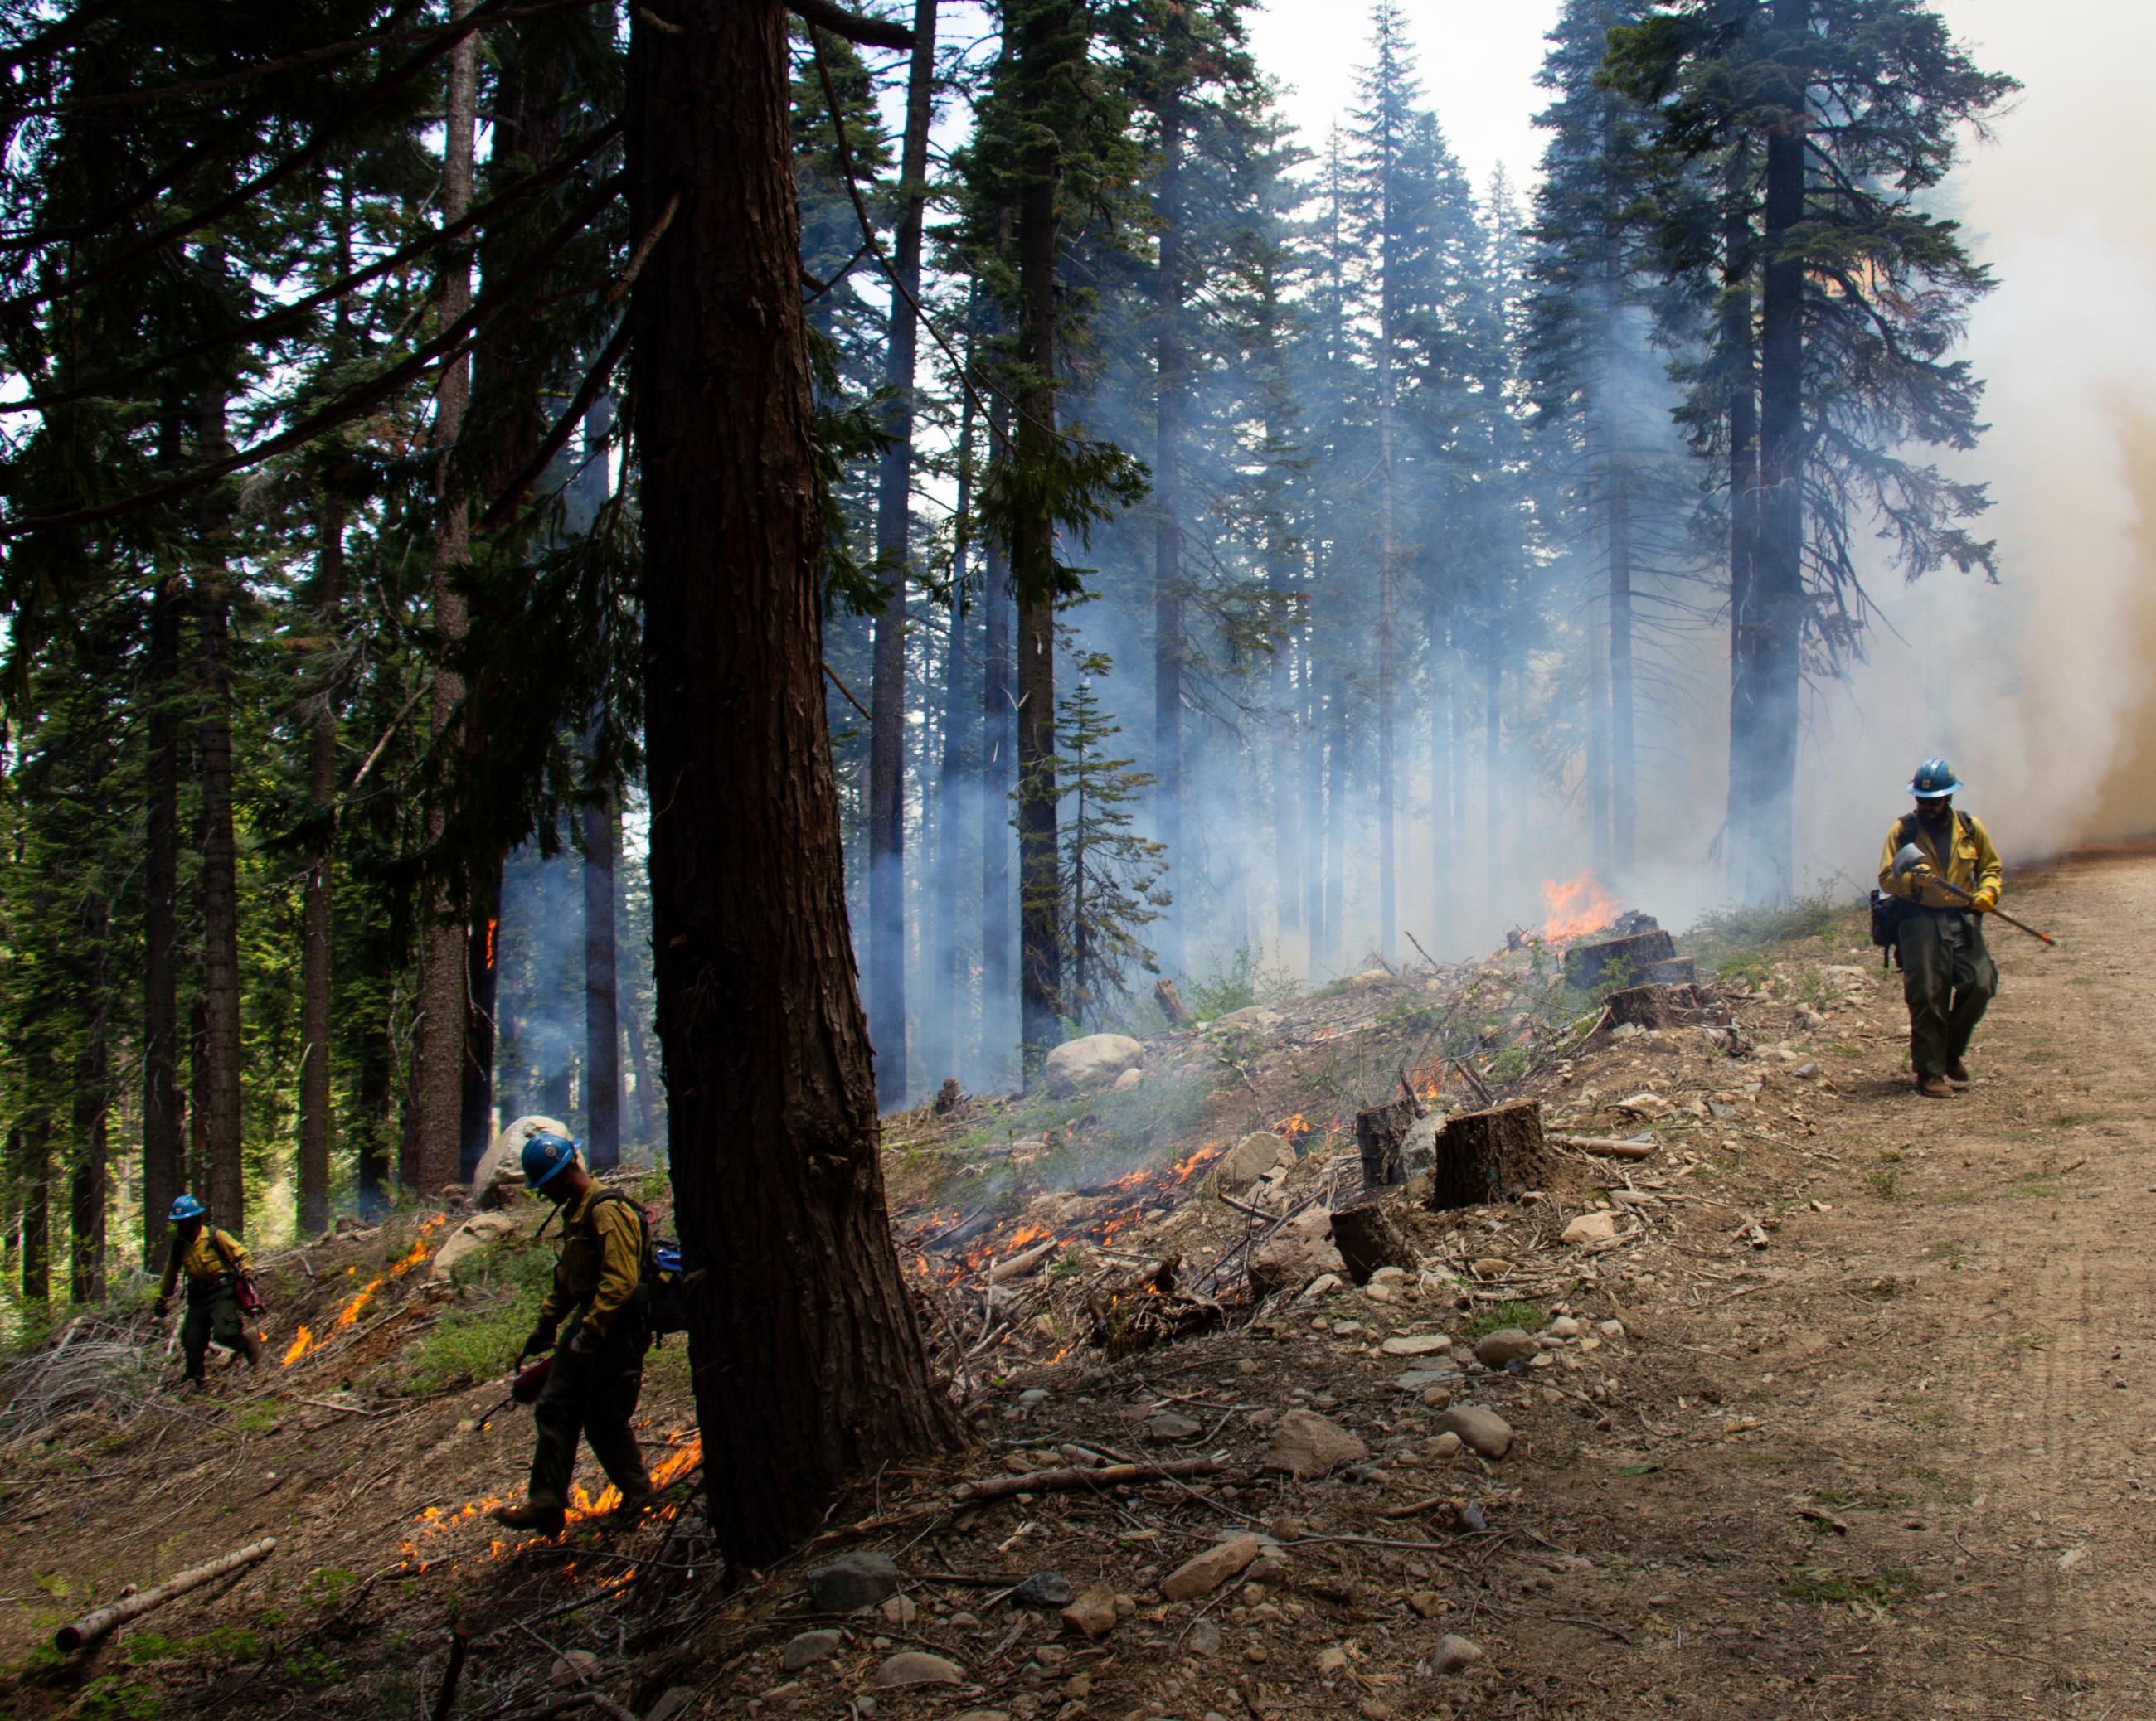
(595, 1398)
(213, 1313)
(1948, 981)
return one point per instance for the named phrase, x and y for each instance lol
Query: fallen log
(1615, 1149)
(102, 1621)
(1018, 1266)
(1040, 1482)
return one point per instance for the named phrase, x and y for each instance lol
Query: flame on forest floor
(1575, 907)
(305, 1341)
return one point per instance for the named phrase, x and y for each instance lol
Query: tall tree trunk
(1052, 38)
(164, 1163)
(998, 778)
(219, 1086)
(886, 916)
(33, 1175)
(601, 1027)
(1493, 779)
(1598, 678)
(650, 1116)
(803, 1339)
(1339, 775)
(197, 1172)
(434, 1155)
(1172, 382)
(1778, 590)
(377, 1122)
(88, 1190)
(1445, 834)
(953, 779)
(482, 945)
(1740, 363)
(316, 1124)
(1386, 910)
(1313, 807)
(1286, 791)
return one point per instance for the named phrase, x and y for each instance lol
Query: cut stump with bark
(1656, 1007)
(1380, 1132)
(1492, 1156)
(1587, 966)
(1369, 1236)
(1678, 970)
(1171, 1003)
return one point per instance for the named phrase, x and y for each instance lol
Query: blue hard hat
(545, 1155)
(1934, 781)
(187, 1207)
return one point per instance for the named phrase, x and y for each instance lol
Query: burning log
(1020, 1264)
(1369, 1237)
(1586, 965)
(1656, 1007)
(1171, 1002)
(102, 1621)
(1490, 1155)
(1380, 1132)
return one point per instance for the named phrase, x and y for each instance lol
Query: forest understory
(1864, 1439)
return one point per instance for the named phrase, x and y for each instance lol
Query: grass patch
(228, 1644)
(1884, 1184)
(1868, 1593)
(1531, 1316)
(1739, 942)
(261, 1416)
(499, 1288)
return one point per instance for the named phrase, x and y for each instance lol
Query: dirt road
(1927, 1500)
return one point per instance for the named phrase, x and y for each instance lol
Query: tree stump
(1369, 1237)
(1678, 970)
(1379, 1132)
(1171, 1003)
(1586, 965)
(1654, 1007)
(1491, 1155)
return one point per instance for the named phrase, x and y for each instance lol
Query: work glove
(162, 1306)
(541, 1339)
(1985, 900)
(584, 1344)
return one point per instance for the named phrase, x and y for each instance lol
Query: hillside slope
(1843, 1419)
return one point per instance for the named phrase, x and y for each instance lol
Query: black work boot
(1958, 1072)
(531, 1515)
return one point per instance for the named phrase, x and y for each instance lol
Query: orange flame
(1205, 1155)
(356, 1305)
(1575, 907)
(301, 1342)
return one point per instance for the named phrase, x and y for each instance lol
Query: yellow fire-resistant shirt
(1972, 863)
(201, 1261)
(602, 1264)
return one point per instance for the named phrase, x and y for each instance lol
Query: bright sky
(1478, 60)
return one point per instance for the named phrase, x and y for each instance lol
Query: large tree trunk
(1286, 790)
(953, 777)
(997, 779)
(33, 1174)
(1493, 764)
(1623, 766)
(377, 1122)
(1173, 405)
(1777, 605)
(164, 1165)
(1313, 807)
(886, 952)
(1740, 363)
(1598, 678)
(219, 1084)
(1052, 39)
(433, 1158)
(316, 896)
(803, 1339)
(1444, 834)
(1386, 883)
(602, 1026)
(87, 1189)
(1338, 776)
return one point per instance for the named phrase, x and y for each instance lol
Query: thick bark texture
(433, 1156)
(163, 1158)
(602, 1025)
(1172, 380)
(1486, 1156)
(886, 955)
(999, 777)
(316, 894)
(1775, 611)
(87, 1182)
(1740, 362)
(218, 1082)
(33, 1174)
(482, 997)
(804, 1340)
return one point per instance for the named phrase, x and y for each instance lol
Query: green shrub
(1530, 1315)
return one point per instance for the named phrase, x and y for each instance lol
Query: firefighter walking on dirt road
(602, 1287)
(1948, 976)
(215, 1263)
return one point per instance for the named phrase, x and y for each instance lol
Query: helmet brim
(556, 1169)
(1945, 794)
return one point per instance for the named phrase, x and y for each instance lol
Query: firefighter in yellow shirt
(1949, 979)
(602, 1287)
(214, 1262)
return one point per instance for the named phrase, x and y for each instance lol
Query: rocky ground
(1832, 1406)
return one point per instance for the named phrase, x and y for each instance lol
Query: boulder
(853, 1581)
(1299, 1252)
(1591, 1228)
(1206, 1572)
(1419, 1146)
(500, 1171)
(916, 1666)
(1129, 1079)
(1091, 1061)
(1479, 1430)
(1251, 1158)
(476, 1232)
(1305, 1444)
(1493, 1351)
